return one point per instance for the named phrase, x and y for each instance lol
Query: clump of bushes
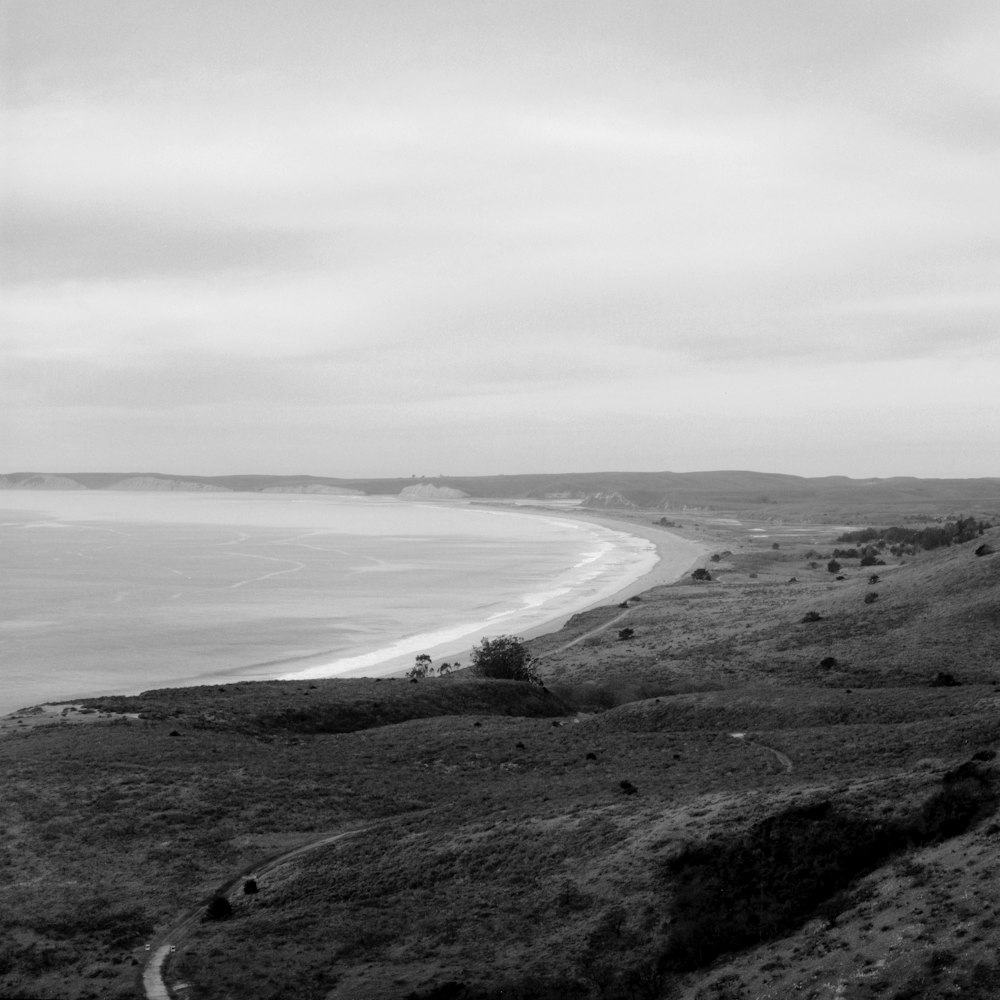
(504, 658)
(953, 531)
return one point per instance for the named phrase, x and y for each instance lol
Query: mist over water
(120, 592)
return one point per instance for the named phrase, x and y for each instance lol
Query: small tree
(624, 634)
(421, 667)
(701, 574)
(833, 566)
(503, 658)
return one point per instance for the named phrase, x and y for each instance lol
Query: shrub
(812, 616)
(871, 597)
(626, 633)
(701, 574)
(833, 566)
(218, 909)
(503, 658)
(828, 662)
(944, 680)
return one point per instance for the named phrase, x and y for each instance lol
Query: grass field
(578, 840)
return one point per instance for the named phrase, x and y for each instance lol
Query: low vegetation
(763, 788)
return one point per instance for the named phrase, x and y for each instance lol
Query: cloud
(503, 217)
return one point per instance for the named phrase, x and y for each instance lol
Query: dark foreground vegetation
(773, 787)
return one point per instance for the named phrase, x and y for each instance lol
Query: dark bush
(945, 680)
(871, 597)
(828, 662)
(833, 566)
(625, 634)
(764, 883)
(503, 658)
(748, 889)
(967, 795)
(250, 887)
(218, 909)
(701, 574)
(812, 616)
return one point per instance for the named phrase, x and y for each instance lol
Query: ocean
(105, 592)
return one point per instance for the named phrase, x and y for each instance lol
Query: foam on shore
(665, 558)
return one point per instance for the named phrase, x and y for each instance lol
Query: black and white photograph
(499, 500)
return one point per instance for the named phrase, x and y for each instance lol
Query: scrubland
(773, 788)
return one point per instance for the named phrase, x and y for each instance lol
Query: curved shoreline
(675, 556)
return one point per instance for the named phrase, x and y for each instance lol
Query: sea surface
(104, 592)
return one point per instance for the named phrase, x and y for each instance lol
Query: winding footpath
(594, 631)
(782, 758)
(160, 948)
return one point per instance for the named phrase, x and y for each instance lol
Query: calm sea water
(120, 592)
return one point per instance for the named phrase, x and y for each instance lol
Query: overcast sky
(395, 237)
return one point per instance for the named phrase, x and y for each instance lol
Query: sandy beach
(676, 554)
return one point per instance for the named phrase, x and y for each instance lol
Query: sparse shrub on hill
(701, 574)
(833, 566)
(503, 658)
(421, 667)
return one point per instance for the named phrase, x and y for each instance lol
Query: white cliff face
(607, 501)
(148, 484)
(427, 491)
(43, 481)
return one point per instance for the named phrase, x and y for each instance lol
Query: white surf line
(241, 536)
(256, 579)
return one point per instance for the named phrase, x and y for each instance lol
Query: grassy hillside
(776, 788)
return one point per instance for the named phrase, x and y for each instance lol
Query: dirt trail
(153, 984)
(589, 633)
(783, 759)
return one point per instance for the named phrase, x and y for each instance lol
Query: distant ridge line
(773, 495)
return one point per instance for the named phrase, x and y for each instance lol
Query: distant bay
(107, 592)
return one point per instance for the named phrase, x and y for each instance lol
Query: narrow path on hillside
(161, 947)
(783, 759)
(590, 632)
